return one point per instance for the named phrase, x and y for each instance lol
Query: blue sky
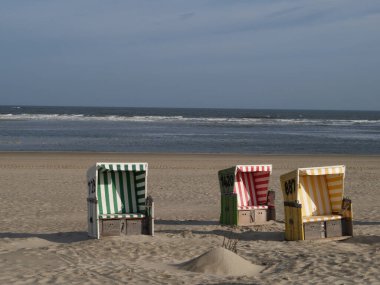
(229, 54)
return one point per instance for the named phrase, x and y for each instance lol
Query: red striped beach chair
(245, 199)
(314, 204)
(117, 200)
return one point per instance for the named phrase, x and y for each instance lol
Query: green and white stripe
(121, 188)
(135, 166)
(140, 180)
(116, 216)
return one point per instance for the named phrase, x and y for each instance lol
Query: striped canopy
(251, 185)
(121, 188)
(321, 190)
(130, 166)
(339, 169)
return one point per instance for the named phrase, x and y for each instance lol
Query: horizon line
(205, 108)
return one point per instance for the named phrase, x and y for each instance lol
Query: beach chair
(117, 200)
(245, 199)
(314, 205)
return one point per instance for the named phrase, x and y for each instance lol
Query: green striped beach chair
(117, 200)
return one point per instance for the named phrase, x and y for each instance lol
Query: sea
(182, 130)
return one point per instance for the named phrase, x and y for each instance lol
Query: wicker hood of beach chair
(117, 200)
(314, 204)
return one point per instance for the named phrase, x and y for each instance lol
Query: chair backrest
(321, 191)
(251, 184)
(314, 196)
(121, 189)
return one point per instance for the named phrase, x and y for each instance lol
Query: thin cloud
(186, 16)
(285, 50)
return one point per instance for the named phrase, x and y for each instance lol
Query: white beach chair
(117, 200)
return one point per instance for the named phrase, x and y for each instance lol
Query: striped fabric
(261, 182)
(335, 184)
(321, 190)
(120, 191)
(140, 189)
(321, 218)
(131, 166)
(314, 196)
(254, 168)
(339, 169)
(251, 184)
(252, 207)
(115, 216)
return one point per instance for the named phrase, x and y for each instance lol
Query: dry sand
(221, 261)
(43, 225)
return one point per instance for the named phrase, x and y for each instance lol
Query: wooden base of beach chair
(314, 230)
(333, 228)
(328, 229)
(111, 227)
(252, 217)
(119, 227)
(135, 227)
(231, 215)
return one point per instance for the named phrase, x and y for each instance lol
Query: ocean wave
(199, 120)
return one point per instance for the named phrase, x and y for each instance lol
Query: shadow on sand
(366, 223)
(369, 240)
(67, 237)
(186, 223)
(248, 235)
(245, 236)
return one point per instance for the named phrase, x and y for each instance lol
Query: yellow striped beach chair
(117, 200)
(314, 204)
(245, 196)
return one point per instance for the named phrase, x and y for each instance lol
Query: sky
(206, 54)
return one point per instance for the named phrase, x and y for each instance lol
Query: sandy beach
(43, 230)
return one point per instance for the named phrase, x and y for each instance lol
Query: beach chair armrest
(292, 204)
(149, 206)
(92, 200)
(271, 196)
(346, 208)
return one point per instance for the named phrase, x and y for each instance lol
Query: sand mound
(221, 261)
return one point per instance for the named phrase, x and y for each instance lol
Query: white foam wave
(199, 120)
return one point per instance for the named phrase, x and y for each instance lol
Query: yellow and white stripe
(321, 190)
(338, 169)
(314, 196)
(335, 185)
(321, 218)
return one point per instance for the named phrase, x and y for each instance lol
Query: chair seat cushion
(321, 218)
(260, 207)
(116, 216)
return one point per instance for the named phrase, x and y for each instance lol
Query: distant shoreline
(17, 106)
(173, 130)
(184, 154)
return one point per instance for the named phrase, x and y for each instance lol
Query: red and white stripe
(251, 184)
(254, 168)
(252, 207)
(261, 180)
